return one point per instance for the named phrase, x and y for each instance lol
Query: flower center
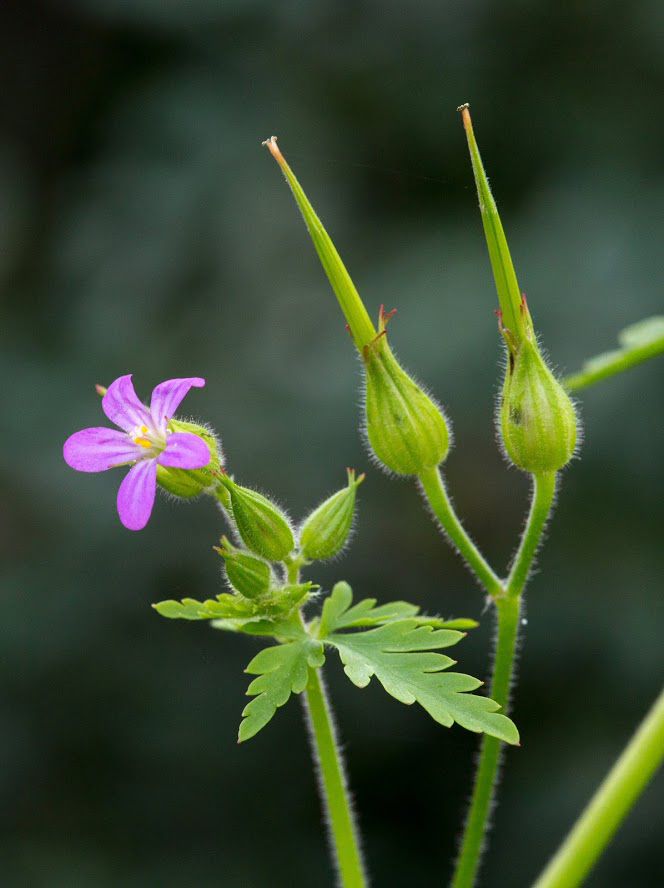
(153, 443)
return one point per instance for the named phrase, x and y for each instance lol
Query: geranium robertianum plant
(407, 434)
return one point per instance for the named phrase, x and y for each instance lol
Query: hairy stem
(544, 488)
(507, 613)
(610, 804)
(435, 492)
(325, 748)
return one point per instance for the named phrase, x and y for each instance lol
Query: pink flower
(144, 441)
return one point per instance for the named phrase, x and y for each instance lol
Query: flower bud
(191, 482)
(537, 418)
(405, 428)
(325, 531)
(262, 526)
(249, 576)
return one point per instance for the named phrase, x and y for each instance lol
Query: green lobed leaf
(235, 613)
(401, 656)
(638, 342)
(337, 613)
(282, 670)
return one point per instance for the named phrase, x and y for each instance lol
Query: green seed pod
(405, 428)
(262, 526)
(537, 418)
(191, 482)
(249, 576)
(325, 531)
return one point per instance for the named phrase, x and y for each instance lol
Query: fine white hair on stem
(428, 508)
(493, 801)
(319, 776)
(532, 567)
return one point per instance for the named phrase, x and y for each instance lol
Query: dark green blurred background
(143, 229)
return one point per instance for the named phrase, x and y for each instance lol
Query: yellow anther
(143, 442)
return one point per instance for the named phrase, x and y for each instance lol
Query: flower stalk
(606, 810)
(508, 606)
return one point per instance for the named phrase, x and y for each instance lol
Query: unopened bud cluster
(267, 539)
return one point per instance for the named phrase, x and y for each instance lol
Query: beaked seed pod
(537, 419)
(406, 429)
(263, 527)
(191, 482)
(249, 576)
(325, 531)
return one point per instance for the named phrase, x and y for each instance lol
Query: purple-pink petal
(167, 396)
(136, 494)
(122, 406)
(95, 450)
(184, 451)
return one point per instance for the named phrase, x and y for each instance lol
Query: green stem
(333, 783)
(507, 612)
(605, 366)
(435, 492)
(329, 761)
(610, 804)
(544, 488)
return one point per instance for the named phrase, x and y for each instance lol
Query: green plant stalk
(507, 614)
(595, 371)
(333, 784)
(544, 489)
(610, 804)
(329, 761)
(435, 492)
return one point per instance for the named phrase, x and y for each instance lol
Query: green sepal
(248, 575)
(638, 342)
(401, 656)
(325, 532)
(537, 418)
(263, 527)
(282, 670)
(191, 482)
(406, 429)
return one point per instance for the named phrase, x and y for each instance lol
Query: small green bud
(248, 575)
(405, 428)
(537, 418)
(325, 531)
(191, 482)
(262, 526)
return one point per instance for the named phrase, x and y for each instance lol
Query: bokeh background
(143, 229)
